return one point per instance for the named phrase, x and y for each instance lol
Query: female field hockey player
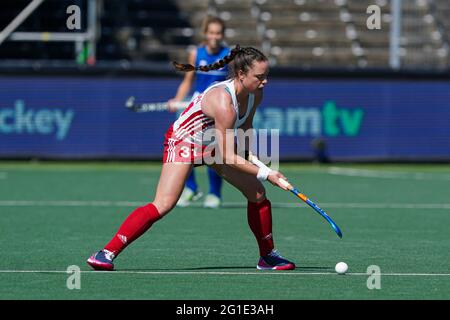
(211, 50)
(223, 107)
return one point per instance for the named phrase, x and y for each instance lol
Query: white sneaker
(212, 201)
(188, 196)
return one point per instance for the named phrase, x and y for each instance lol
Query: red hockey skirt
(178, 151)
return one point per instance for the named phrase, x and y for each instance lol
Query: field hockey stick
(253, 159)
(153, 106)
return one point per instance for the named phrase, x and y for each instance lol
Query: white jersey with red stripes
(192, 124)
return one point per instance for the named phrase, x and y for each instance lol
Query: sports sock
(259, 217)
(191, 183)
(139, 221)
(215, 182)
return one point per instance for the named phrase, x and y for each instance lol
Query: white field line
(221, 273)
(67, 203)
(324, 205)
(365, 173)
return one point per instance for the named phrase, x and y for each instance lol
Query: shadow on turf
(226, 268)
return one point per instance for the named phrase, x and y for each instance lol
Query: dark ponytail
(214, 66)
(243, 59)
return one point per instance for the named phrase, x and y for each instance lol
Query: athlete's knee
(260, 196)
(256, 194)
(165, 204)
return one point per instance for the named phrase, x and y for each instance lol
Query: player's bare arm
(274, 176)
(218, 105)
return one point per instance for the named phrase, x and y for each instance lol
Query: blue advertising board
(70, 117)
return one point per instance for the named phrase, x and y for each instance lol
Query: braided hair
(242, 60)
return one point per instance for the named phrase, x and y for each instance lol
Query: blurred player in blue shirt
(211, 50)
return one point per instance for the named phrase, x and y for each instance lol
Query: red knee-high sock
(139, 221)
(259, 217)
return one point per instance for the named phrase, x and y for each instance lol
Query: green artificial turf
(397, 217)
